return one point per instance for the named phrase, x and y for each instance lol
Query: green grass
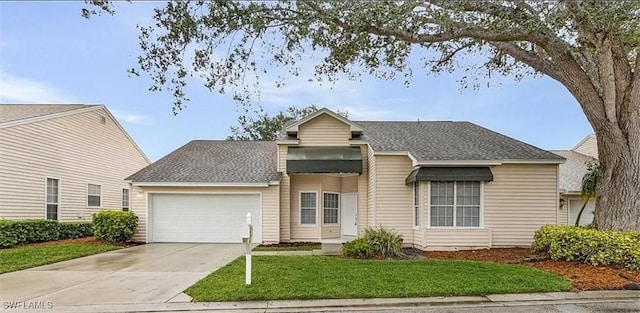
(23, 257)
(314, 277)
(294, 248)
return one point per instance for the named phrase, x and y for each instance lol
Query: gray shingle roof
(572, 171)
(15, 112)
(214, 161)
(430, 140)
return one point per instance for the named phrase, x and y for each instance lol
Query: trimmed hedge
(115, 226)
(29, 231)
(590, 246)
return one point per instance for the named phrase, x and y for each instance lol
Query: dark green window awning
(450, 174)
(324, 160)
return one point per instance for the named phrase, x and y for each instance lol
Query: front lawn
(32, 255)
(314, 277)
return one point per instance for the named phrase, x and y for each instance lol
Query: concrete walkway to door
(152, 273)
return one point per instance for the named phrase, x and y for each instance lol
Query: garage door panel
(203, 217)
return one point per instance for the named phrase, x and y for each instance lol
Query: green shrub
(386, 243)
(30, 231)
(72, 230)
(114, 226)
(591, 246)
(358, 248)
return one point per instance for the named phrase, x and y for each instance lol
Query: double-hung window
(52, 198)
(125, 199)
(331, 207)
(308, 205)
(416, 204)
(94, 195)
(455, 204)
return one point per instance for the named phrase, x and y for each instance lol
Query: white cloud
(14, 89)
(129, 117)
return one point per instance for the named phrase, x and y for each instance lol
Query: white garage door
(203, 217)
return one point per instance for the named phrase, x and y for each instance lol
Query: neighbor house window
(416, 204)
(331, 207)
(308, 208)
(53, 198)
(455, 204)
(94, 195)
(125, 199)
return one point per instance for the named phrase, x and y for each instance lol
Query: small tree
(589, 187)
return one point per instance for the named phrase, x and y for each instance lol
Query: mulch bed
(582, 276)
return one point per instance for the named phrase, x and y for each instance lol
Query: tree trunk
(618, 199)
(584, 205)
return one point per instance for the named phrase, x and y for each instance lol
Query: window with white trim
(308, 208)
(455, 204)
(416, 204)
(331, 207)
(125, 199)
(52, 198)
(94, 195)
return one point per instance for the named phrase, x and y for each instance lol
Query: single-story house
(571, 174)
(441, 185)
(63, 161)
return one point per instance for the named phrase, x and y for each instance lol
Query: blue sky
(50, 54)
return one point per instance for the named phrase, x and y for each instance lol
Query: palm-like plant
(589, 186)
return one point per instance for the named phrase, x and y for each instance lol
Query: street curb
(358, 304)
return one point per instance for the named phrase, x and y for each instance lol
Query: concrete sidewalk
(505, 300)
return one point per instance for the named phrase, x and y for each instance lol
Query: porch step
(330, 248)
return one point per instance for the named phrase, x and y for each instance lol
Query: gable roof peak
(293, 127)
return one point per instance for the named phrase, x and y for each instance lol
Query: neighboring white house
(571, 174)
(63, 162)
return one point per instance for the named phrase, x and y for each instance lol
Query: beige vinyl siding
(519, 200)
(349, 184)
(301, 183)
(394, 199)
(77, 149)
(363, 192)
(588, 146)
(324, 130)
(285, 192)
(371, 188)
(454, 239)
(270, 206)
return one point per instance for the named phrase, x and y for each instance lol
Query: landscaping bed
(582, 276)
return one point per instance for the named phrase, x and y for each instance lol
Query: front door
(349, 219)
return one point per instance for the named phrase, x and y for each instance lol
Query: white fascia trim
(414, 161)
(357, 142)
(274, 183)
(50, 116)
(175, 184)
(458, 162)
(287, 142)
(534, 161)
(352, 126)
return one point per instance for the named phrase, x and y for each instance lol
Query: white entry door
(349, 219)
(587, 214)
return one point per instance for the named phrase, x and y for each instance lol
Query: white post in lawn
(248, 251)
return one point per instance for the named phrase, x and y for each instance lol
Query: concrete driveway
(152, 273)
